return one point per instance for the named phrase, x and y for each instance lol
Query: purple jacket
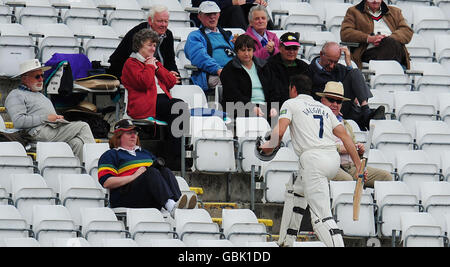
(260, 51)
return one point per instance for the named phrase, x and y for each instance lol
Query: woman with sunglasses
(135, 177)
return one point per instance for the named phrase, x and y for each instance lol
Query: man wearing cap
(326, 67)
(332, 97)
(209, 48)
(30, 110)
(233, 12)
(313, 128)
(285, 64)
(158, 21)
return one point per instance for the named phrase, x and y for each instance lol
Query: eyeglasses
(332, 100)
(292, 47)
(37, 77)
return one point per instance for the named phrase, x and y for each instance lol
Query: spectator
(286, 64)
(233, 13)
(326, 67)
(246, 79)
(209, 48)
(332, 97)
(135, 177)
(148, 84)
(267, 43)
(158, 20)
(32, 111)
(380, 30)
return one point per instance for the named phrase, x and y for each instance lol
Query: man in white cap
(233, 13)
(313, 128)
(332, 97)
(32, 111)
(209, 48)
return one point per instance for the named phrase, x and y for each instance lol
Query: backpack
(99, 127)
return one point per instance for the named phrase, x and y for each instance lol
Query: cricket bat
(360, 177)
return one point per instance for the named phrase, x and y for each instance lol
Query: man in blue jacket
(209, 48)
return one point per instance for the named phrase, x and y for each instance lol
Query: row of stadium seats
(392, 210)
(416, 184)
(54, 225)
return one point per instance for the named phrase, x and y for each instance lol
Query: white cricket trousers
(316, 167)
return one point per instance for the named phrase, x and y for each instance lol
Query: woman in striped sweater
(136, 177)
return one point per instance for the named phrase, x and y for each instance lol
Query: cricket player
(313, 128)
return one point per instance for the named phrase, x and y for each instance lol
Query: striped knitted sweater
(118, 162)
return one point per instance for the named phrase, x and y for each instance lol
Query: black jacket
(237, 85)
(123, 51)
(352, 80)
(283, 73)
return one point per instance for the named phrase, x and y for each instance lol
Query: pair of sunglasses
(39, 76)
(291, 47)
(332, 100)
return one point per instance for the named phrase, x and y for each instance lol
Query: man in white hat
(313, 128)
(332, 97)
(32, 111)
(209, 48)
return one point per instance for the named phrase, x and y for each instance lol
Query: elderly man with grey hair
(266, 42)
(158, 21)
(32, 111)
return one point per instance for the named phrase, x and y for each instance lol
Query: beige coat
(358, 25)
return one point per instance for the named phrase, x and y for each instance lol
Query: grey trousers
(76, 134)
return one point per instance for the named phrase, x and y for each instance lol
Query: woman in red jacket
(148, 84)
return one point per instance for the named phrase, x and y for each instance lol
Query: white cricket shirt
(312, 124)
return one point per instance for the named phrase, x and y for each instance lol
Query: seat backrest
(16, 46)
(147, 224)
(278, 172)
(91, 154)
(193, 95)
(432, 132)
(435, 193)
(55, 217)
(11, 218)
(386, 188)
(238, 223)
(441, 46)
(194, 224)
(52, 149)
(391, 135)
(29, 190)
(420, 229)
(341, 193)
(251, 126)
(12, 148)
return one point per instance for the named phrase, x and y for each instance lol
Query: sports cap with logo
(124, 125)
(290, 39)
